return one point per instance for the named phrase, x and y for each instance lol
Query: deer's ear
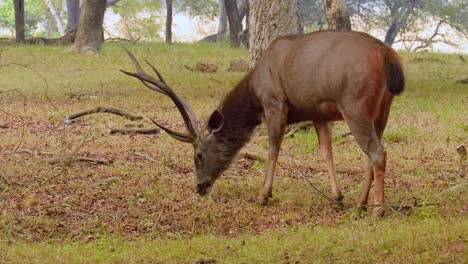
(216, 121)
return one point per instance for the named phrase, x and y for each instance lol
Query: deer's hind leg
(365, 135)
(325, 143)
(379, 126)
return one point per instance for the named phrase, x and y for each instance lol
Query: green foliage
(140, 18)
(33, 14)
(196, 8)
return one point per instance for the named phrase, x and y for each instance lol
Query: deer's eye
(199, 156)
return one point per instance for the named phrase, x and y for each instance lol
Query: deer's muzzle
(203, 188)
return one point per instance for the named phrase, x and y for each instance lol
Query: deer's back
(316, 73)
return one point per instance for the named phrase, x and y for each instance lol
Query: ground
(143, 207)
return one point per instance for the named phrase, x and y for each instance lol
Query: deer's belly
(325, 111)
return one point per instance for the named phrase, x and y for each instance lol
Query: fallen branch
(289, 162)
(79, 159)
(70, 118)
(143, 155)
(301, 126)
(123, 39)
(144, 131)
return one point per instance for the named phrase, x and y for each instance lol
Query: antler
(160, 86)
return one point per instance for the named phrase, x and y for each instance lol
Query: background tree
(337, 14)
(141, 19)
(19, 20)
(168, 21)
(89, 36)
(234, 21)
(269, 20)
(55, 15)
(73, 15)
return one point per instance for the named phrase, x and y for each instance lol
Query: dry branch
(289, 162)
(145, 156)
(69, 119)
(145, 131)
(79, 159)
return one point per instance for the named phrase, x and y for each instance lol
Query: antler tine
(162, 87)
(179, 136)
(156, 71)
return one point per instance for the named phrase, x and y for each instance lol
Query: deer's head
(211, 156)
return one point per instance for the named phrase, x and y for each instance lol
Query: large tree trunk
(73, 16)
(269, 20)
(337, 15)
(234, 21)
(19, 20)
(169, 21)
(90, 33)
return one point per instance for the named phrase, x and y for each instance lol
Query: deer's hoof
(379, 211)
(263, 199)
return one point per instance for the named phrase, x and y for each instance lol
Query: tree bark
(234, 21)
(73, 15)
(19, 20)
(337, 15)
(90, 32)
(269, 20)
(222, 23)
(169, 21)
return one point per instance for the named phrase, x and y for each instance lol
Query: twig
(302, 126)
(79, 159)
(293, 163)
(123, 39)
(461, 58)
(69, 159)
(69, 119)
(145, 131)
(144, 156)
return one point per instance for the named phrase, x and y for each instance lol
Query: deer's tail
(394, 73)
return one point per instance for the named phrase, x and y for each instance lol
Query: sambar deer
(323, 76)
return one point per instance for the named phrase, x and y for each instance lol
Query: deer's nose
(203, 187)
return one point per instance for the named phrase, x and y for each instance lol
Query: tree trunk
(169, 21)
(337, 15)
(222, 24)
(234, 21)
(243, 10)
(269, 20)
(55, 16)
(90, 32)
(73, 15)
(19, 20)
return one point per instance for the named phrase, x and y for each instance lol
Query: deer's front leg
(276, 123)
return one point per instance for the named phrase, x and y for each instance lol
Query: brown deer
(323, 76)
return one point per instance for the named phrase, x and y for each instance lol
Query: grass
(140, 211)
(364, 241)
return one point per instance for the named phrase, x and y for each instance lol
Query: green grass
(428, 240)
(142, 211)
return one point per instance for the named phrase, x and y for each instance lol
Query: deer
(323, 77)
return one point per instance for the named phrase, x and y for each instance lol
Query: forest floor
(141, 207)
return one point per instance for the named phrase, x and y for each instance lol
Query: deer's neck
(242, 113)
